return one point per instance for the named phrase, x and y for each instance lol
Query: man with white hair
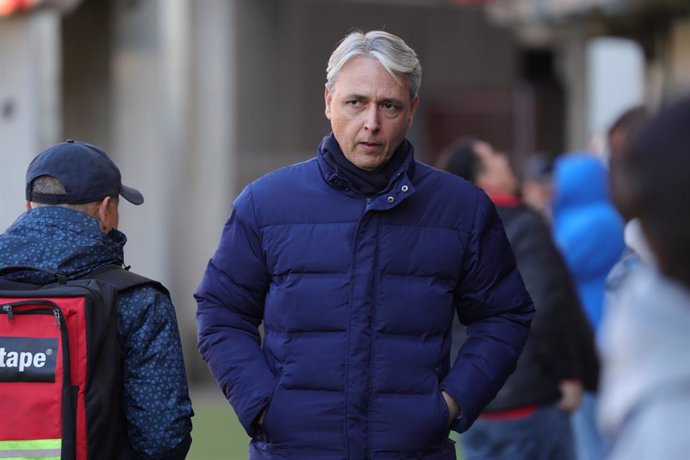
(356, 262)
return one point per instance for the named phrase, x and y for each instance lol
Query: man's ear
(104, 212)
(327, 97)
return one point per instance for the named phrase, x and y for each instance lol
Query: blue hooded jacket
(357, 297)
(586, 226)
(157, 404)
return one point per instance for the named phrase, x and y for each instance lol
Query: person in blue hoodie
(70, 228)
(589, 232)
(586, 226)
(356, 262)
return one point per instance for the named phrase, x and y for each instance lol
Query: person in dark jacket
(356, 262)
(70, 227)
(530, 417)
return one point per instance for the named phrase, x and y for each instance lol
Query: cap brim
(132, 195)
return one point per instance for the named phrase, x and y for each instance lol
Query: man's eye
(354, 103)
(389, 107)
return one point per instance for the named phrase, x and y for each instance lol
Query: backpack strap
(123, 279)
(113, 275)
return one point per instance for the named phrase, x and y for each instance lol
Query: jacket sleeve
(492, 302)
(156, 395)
(547, 279)
(230, 307)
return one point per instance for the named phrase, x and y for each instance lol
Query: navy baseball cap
(84, 170)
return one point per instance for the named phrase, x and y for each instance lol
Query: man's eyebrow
(356, 96)
(391, 100)
(386, 100)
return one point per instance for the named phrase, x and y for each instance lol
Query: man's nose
(371, 120)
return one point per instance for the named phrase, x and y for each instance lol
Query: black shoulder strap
(116, 276)
(123, 279)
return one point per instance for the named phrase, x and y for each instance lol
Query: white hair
(50, 185)
(389, 50)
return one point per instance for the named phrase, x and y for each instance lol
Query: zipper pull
(56, 312)
(8, 309)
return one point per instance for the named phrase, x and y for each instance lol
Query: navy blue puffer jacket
(357, 297)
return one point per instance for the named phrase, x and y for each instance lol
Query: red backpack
(60, 367)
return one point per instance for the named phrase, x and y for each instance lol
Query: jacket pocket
(264, 429)
(259, 450)
(445, 450)
(445, 410)
(409, 422)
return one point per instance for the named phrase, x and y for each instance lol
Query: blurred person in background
(536, 184)
(645, 397)
(636, 249)
(622, 129)
(356, 263)
(586, 226)
(589, 232)
(530, 417)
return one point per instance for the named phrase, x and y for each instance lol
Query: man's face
(496, 175)
(369, 111)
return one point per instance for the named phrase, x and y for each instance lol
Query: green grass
(216, 432)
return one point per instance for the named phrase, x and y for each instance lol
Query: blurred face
(538, 195)
(369, 111)
(496, 175)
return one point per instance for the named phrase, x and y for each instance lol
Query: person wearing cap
(70, 227)
(356, 262)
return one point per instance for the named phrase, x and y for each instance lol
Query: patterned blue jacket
(357, 297)
(157, 404)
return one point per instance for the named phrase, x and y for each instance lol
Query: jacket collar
(338, 178)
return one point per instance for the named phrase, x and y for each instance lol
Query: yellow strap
(44, 449)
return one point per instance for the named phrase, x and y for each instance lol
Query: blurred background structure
(195, 98)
